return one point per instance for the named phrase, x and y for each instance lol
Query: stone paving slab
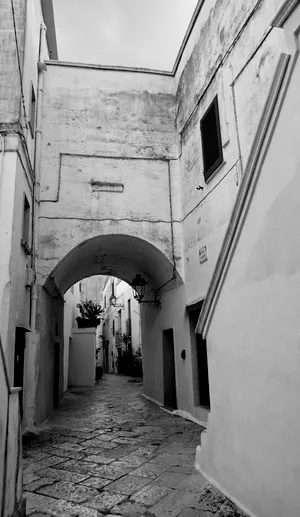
(150, 495)
(69, 491)
(127, 485)
(109, 451)
(105, 501)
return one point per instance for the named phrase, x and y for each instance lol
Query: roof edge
(284, 12)
(48, 15)
(113, 68)
(256, 158)
(187, 36)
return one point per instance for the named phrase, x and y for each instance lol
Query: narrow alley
(108, 450)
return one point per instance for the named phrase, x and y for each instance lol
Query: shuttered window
(211, 139)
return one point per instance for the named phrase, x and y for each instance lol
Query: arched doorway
(123, 256)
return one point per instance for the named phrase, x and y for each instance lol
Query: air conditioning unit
(29, 277)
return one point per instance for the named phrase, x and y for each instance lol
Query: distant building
(119, 320)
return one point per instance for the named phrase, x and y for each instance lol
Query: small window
(211, 139)
(113, 328)
(104, 302)
(32, 110)
(113, 288)
(26, 220)
(80, 288)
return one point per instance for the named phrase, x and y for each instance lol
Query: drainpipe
(37, 166)
(32, 353)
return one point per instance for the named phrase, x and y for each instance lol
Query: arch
(117, 255)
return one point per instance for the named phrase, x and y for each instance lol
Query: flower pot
(84, 323)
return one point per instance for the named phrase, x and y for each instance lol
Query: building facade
(140, 171)
(122, 318)
(25, 44)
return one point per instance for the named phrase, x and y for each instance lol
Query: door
(20, 343)
(105, 356)
(199, 362)
(56, 376)
(203, 371)
(169, 375)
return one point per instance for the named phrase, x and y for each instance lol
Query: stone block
(113, 471)
(104, 501)
(69, 491)
(63, 475)
(150, 495)
(173, 503)
(150, 470)
(127, 485)
(96, 482)
(129, 508)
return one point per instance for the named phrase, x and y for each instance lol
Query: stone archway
(113, 254)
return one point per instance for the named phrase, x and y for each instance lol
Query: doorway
(169, 375)
(199, 362)
(56, 375)
(20, 343)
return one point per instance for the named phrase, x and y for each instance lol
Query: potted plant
(89, 314)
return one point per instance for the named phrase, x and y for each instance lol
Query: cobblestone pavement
(109, 451)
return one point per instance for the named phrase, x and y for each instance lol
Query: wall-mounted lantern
(138, 285)
(113, 301)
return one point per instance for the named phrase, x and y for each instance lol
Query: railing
(11, 471)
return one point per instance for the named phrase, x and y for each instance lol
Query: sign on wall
(202, 254)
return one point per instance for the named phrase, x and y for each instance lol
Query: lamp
(113, 301)
(138, 285)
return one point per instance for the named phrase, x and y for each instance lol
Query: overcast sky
(145, 33)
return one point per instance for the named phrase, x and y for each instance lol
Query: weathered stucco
(253, 327)
(10, 85)
(121, 160)
(234, 57)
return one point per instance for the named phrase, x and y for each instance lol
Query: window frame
(26, 220)
(32, 110)
(208, 172)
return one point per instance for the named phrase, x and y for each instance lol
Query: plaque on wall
(202, 254)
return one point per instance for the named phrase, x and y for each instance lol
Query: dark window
(129, 309)
(104, 302)
(80, 289)
(26, 220)
(113, 288)
(32, 111)
(113, 328)
(211, 139)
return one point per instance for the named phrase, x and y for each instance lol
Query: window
(26, 221)
(113, 328)
(211, 139)
(104, 302)
(129, 309)
(32, 106)
(80, 289)
(113, 288)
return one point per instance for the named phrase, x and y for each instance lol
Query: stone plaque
(202, 254)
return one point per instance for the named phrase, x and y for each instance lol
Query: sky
(141, 33)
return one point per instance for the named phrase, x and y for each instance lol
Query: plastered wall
(253, 338)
